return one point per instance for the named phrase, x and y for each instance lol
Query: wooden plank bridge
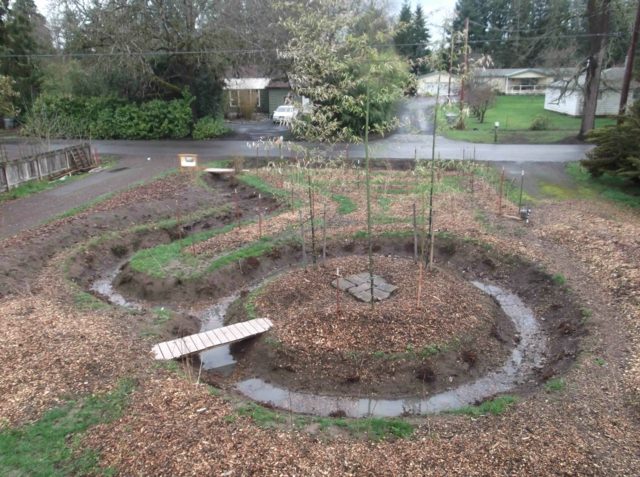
(210, 339)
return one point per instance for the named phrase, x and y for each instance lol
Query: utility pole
(628, 71)
(450, 62)
(466, 60)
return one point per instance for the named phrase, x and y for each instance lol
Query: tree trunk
(598, 13)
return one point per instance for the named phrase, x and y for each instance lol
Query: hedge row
(109, 118)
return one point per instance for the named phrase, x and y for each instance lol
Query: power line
(231, 51)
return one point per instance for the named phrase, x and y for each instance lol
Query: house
(516, 81)
(251, 87)
(246, 91)
(567, 97)
(427, 85)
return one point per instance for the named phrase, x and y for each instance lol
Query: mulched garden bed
(398, 347)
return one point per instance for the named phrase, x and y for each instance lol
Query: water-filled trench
(526, 357)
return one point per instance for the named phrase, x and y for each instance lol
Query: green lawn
(51, 446)
(515, 114)
(585, 186)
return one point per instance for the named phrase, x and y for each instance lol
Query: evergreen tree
(4, 10)
(523, 33)
(617, 148)
(25, 34)
(478, 12)
(402, 38)
(419, 39)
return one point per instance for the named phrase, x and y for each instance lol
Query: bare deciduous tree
(480, 97)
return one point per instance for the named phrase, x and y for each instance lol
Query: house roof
(246, 83)
(279, 84)
(434, 74)
(509, 72)
(611, 79)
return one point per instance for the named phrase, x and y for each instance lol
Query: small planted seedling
(600, 361)
(493, 406)
(559, 279)
(555, 385)
(586, 314)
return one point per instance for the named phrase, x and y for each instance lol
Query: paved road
(401, 146)
(416, 117)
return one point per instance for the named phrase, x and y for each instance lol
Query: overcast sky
(435, 11)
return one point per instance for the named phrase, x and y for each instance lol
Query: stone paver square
(343, 284)
(360, 286)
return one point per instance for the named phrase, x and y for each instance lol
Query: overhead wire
(230, 51)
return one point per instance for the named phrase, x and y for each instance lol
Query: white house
(567, 97)
(516, 81)
(427, 85)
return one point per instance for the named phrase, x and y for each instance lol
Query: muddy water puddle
(103, 286)
(219, 358)
(525, 358)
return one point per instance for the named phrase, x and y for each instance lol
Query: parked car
(284, 114)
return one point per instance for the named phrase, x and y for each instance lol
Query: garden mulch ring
(302, 306)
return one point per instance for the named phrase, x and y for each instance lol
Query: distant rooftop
(508, 72)
(611, 79)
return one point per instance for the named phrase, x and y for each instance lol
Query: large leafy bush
(109, 118)
(208, 127)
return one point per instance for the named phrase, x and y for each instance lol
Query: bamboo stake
(431, 243)
(521, 188)
(324, 232)
(236, 203)
(368, 187)
(420, 275)
(415, 234)
(304, 250)
(337, 292)
(312, 216)
(500, 192)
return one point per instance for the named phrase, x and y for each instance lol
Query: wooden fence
(46, 165)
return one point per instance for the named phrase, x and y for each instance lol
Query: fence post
(38, 171)
(3, 167)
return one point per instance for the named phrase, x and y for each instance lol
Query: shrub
(617, 147)
(107, 117)
(208, 127)
(540, 123)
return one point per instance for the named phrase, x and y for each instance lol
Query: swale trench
(543, 342)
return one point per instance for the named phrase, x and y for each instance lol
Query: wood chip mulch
(607, 240)
(52, 352)
(175, 428)
(302, 305)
